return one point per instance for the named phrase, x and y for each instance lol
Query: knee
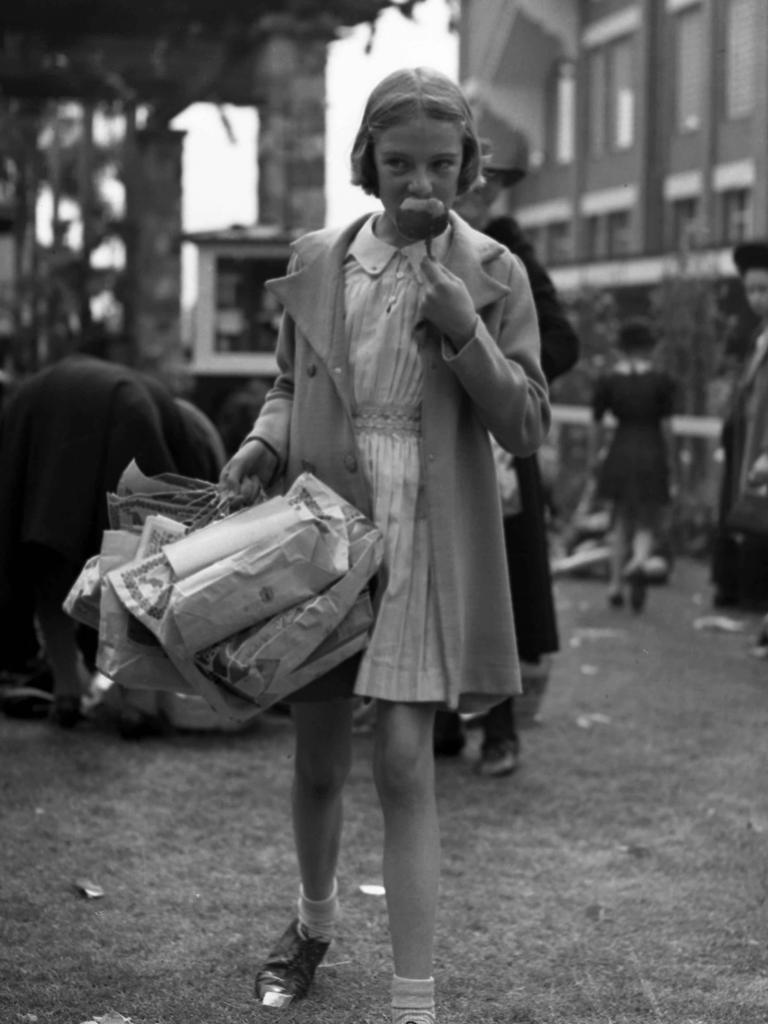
(403, 775)
(321, 776)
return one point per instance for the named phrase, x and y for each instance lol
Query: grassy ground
(620, 877)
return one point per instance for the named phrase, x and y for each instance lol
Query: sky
(351, 76)
(220, 174)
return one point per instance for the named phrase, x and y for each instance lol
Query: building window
(596, 237)
(246, 314)
(622, 94)
(618, 233)
(565, 113)
(598, 92)
(689, 68)
(611, 84)
(736, 207)
(740, 58)
(559, 242)
(683, 224)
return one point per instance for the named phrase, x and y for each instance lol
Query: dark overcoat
(526, 532)
(494, 383)
(740, 564)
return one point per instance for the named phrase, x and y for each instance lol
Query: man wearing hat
(525, 530)
(740, 562)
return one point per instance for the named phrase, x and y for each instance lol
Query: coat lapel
(313, 296)
(467, 255)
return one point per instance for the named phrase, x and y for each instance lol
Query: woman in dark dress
(635, 474)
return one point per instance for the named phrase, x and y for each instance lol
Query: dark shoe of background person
(615, 599)
(290, 966)
(760, 649)
(135, 725)
(66, 711)
(499, 759)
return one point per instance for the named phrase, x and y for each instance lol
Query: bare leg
(323, 750)
(642, 546)
(323, 754)
(404, 776)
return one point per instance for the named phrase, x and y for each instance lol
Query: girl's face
(420, 158)
(756, 290)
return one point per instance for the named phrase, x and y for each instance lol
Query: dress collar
(633, 366)
(313, 291)
(374, 254)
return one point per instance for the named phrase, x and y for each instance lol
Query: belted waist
(388, 418)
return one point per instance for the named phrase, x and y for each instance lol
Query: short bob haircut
(403, 96)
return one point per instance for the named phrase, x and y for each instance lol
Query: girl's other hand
(249, 471)
(446, 303)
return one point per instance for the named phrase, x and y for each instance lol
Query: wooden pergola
(152, 52)
(147, 60)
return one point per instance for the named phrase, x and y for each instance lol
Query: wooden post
(153, 241)
(86, 200)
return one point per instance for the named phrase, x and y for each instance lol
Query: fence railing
(697, 454)
(683, 426)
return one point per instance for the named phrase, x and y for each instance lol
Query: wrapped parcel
(242, 610)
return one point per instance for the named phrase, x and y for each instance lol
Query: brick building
(646, 124)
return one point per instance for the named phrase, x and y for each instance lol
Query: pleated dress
(404, 660)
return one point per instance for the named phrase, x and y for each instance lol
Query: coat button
(311, 370)
(350, 462)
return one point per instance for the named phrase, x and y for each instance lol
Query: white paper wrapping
(241, 611)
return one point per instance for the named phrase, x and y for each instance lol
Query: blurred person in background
(636, 474)
(524, 501)
(66, 435)
(238, 412)
(740, 562)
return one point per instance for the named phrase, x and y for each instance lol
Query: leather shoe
(290, 966)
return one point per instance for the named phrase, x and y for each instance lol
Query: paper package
(232, 574)
(273, 659)
(83, 602)
(126, 653)
(242, 610)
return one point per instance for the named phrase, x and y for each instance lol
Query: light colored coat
(494, 383)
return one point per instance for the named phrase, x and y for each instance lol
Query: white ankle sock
(413, 1000)
(317, 918)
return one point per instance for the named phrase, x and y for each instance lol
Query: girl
(634, 475)
(393, 367)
